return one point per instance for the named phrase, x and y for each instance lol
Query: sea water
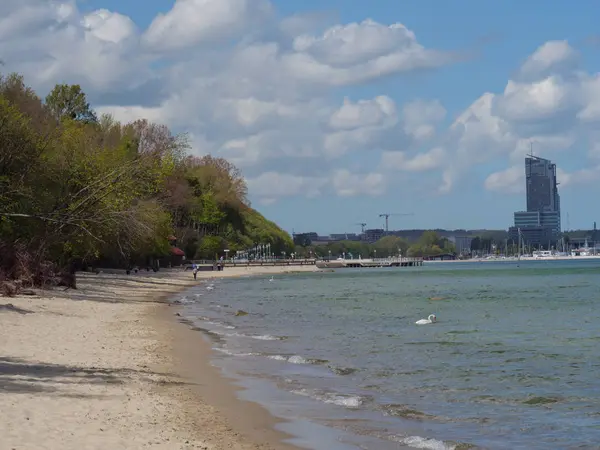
(512, 363)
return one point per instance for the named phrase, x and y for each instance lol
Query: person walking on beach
(195, 271)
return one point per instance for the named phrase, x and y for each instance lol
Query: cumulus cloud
(511, 180)
(195, 22)
(275, 94)
(347, 184)
(552, 111)
(551, 57)
(420, 162)
(357, 52)
(271, 186)
(363, 113)
(421, 117)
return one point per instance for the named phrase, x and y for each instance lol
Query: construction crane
(362, 226)
(387, 216)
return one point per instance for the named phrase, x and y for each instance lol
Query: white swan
(271, 279)
(430, 319)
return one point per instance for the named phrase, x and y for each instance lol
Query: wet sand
(110, 366)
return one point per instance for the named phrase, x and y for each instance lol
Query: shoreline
(255, 427)
(109, 366)
(511, 259)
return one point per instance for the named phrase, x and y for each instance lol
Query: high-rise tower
(541, 184)
(540, 224)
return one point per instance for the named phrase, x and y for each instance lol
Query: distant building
(540, 225)
(373, 235)
(541, 185)
(344, 237)
(461, 243)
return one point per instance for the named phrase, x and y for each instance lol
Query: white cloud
(420, 162)
(270, 186)
(360, 126)
(363, 113)
(357, 52)
(108, 26)
(511, 180)
(348, 184)
(420, 118)
(581, 176)
(553, 112)
(552, 56)
(266, 92)
(194, 22)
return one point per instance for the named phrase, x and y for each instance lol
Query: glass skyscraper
(540, 224)
(542, 188)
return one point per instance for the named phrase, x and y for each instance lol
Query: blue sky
(334, 120)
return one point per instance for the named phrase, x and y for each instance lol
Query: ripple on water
(500, 351)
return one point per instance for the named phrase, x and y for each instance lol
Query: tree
(391, 246)
(74, 189)
(69, 101)
(430, 244)
(302, 240)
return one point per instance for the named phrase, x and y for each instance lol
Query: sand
(108, 366)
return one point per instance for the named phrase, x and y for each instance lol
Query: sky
(339, 111)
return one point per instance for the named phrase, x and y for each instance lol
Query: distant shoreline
(485, 260)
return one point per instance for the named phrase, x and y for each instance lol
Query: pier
(379, 262)
(215, 265)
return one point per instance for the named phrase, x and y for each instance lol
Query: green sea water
(513, 362)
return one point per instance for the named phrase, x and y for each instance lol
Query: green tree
(391, 246)
(69, 101)
(430, 244)
(84, 190)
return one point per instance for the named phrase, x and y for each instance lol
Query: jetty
(376, 262)
(217, 265)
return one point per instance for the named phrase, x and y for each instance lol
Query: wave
(343, 370)
(210, 321)
(297, 359)
(260, 337)
(232, 353)
(424, 443)
(347, 401)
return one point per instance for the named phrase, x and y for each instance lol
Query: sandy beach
(109, 366)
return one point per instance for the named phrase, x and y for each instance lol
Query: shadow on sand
(21, 376)
(9, 307)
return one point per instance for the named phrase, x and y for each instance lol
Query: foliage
(388, 246)
(75, 189)
(69, 101)
(431, 244)
(391, 246)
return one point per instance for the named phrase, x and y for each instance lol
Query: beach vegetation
(79, 190)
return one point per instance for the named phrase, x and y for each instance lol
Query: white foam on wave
(424, 443)
(347, 401)
(232, 353)
(220, 324)
(265, 337)
(295, 359)
(209, 321)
